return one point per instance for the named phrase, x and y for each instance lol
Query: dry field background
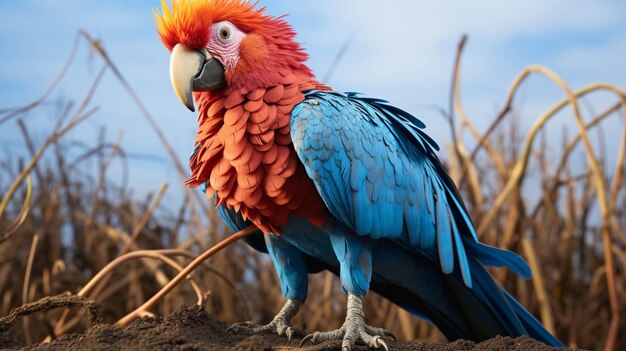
(559, 203)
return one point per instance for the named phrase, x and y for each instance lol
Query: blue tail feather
(477, 313)
(492, 256)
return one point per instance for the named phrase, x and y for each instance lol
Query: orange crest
(188, 21)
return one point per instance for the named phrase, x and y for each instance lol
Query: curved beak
(193, 70)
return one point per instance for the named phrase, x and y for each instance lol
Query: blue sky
(402, 51)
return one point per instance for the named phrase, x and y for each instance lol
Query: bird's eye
(224, 32)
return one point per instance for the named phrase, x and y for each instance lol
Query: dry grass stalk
(29, 267)
(21, 217)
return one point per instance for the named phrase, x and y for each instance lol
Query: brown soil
(192, 328)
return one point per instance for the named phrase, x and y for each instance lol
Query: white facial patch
(224, 43)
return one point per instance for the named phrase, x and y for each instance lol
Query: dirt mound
(192, 328)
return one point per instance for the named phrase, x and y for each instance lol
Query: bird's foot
(353, 329)
(279, 325)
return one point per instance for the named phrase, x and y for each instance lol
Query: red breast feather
(246, 157)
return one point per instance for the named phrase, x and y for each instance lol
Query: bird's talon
(381, 342)
(279, 325)
(306, 339)
(390, 335)
(381, 332)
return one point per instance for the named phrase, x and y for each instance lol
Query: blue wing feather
(378, 173)
(444, 238)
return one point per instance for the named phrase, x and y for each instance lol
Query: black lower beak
(211, 77)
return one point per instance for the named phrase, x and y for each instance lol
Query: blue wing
(378, 173)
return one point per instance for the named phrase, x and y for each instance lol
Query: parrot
(331, 181)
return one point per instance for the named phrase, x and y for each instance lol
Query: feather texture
(377, 172)
(245, 158)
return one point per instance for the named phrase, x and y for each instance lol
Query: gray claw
(306, 339)
(390, 335)
(279, 325)
(381, 342)
(381, 332)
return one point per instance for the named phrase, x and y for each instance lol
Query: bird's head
(220, 46)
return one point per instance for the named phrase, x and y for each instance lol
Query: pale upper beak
(193, 70)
